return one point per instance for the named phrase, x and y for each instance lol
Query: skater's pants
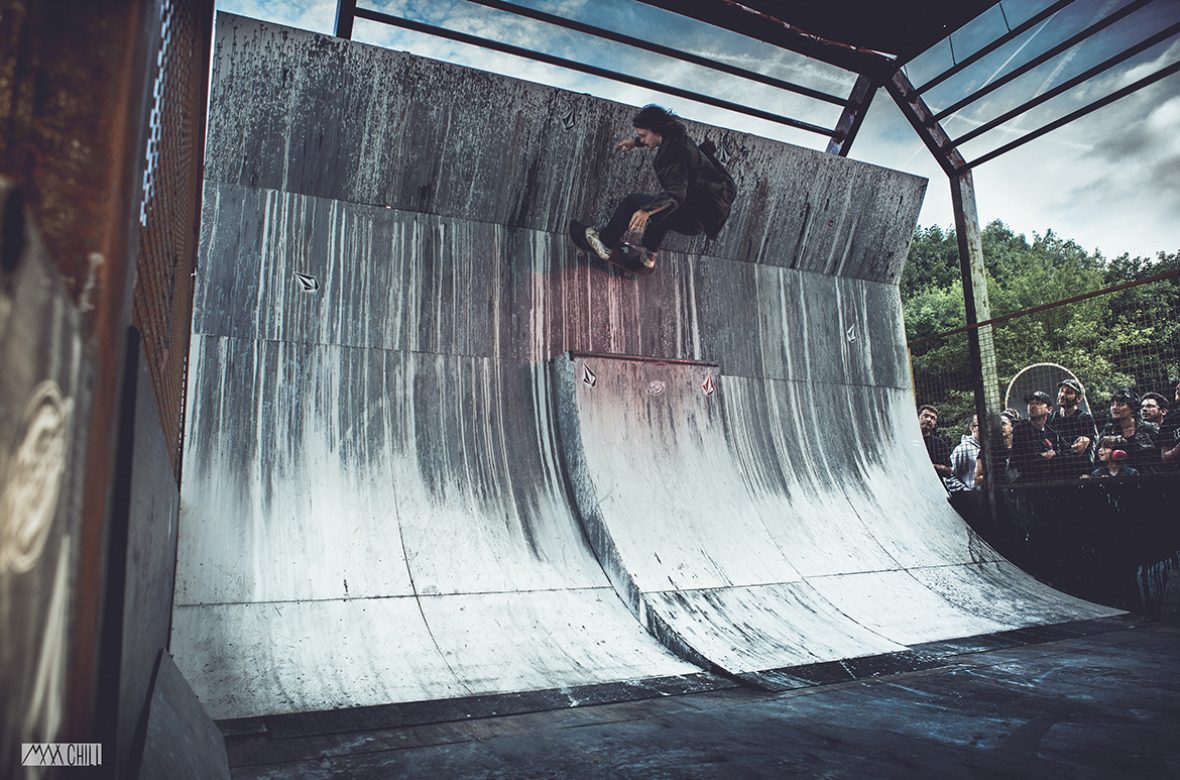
(679, 221)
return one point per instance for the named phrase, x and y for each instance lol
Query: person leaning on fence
(1035, 443)
(1138, 436)
(963, 459)
(1153, 408)
(1112, 459)
(1169, 436)
(1076, 428)
(937, 447)
(1001, 453)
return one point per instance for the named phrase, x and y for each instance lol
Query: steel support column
(971, 265)
(854, 114)
(977, 309)
(345, 16)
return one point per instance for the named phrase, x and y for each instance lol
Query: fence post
(979, 340)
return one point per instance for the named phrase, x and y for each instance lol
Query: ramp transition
(398, 488)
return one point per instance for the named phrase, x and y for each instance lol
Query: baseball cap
(1039, 395)
(1072, 384)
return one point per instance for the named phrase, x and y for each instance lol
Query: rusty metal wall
(76, 97)
(169, 215)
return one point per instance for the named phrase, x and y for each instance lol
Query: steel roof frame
(874, 69)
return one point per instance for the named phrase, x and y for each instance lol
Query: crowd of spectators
(1057, 439)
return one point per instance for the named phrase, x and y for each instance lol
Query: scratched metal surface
(377, 505)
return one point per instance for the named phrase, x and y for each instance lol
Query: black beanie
(653, 117)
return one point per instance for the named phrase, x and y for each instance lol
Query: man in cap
(1137, 437)
(1035, 443)
(1076, 428)
(697, 193)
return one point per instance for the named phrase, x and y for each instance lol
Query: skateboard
(626, 257)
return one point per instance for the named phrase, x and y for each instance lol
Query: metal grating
(169, 213)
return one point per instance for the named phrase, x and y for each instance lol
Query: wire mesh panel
(1089, 387)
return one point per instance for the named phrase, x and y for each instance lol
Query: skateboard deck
(626, 257)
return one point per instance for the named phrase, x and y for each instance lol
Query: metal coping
(573, 355)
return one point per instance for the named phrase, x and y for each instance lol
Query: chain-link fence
(1085, 388)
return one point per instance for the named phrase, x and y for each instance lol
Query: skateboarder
(697, 195)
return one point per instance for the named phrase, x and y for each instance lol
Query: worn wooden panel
(297, 268)
(310, 114)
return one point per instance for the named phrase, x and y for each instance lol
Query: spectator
(1169, 438)
(1113, 460)
(1138, 437)
(937, 446)
(1076, 428)
(963, 460)
(1001, 452)
(1034, 442)
(1153, 407)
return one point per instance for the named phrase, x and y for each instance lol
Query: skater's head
(652, 123)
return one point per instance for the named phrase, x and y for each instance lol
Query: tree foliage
(1130, 337)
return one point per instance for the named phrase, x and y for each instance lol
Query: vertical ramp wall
(757, 523)
(375, 504)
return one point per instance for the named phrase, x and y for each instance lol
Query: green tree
(1126, 338)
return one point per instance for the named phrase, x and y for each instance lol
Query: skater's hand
(639, 221)
(626, 145)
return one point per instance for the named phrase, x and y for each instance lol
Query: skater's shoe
(596, 243)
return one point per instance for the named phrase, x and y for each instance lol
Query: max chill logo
(61, 754)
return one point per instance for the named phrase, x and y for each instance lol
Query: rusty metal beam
(593, 70)
(853, 116)
(656, 48)
(345, 16)
(762, 26)
(971, 261)
(929, 130)
(981, 353)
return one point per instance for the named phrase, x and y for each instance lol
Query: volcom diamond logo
(308, 284)
(709, 385)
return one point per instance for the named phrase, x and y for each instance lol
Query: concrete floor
(1102, 705)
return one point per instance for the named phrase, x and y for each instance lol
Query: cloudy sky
(1110, 181)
